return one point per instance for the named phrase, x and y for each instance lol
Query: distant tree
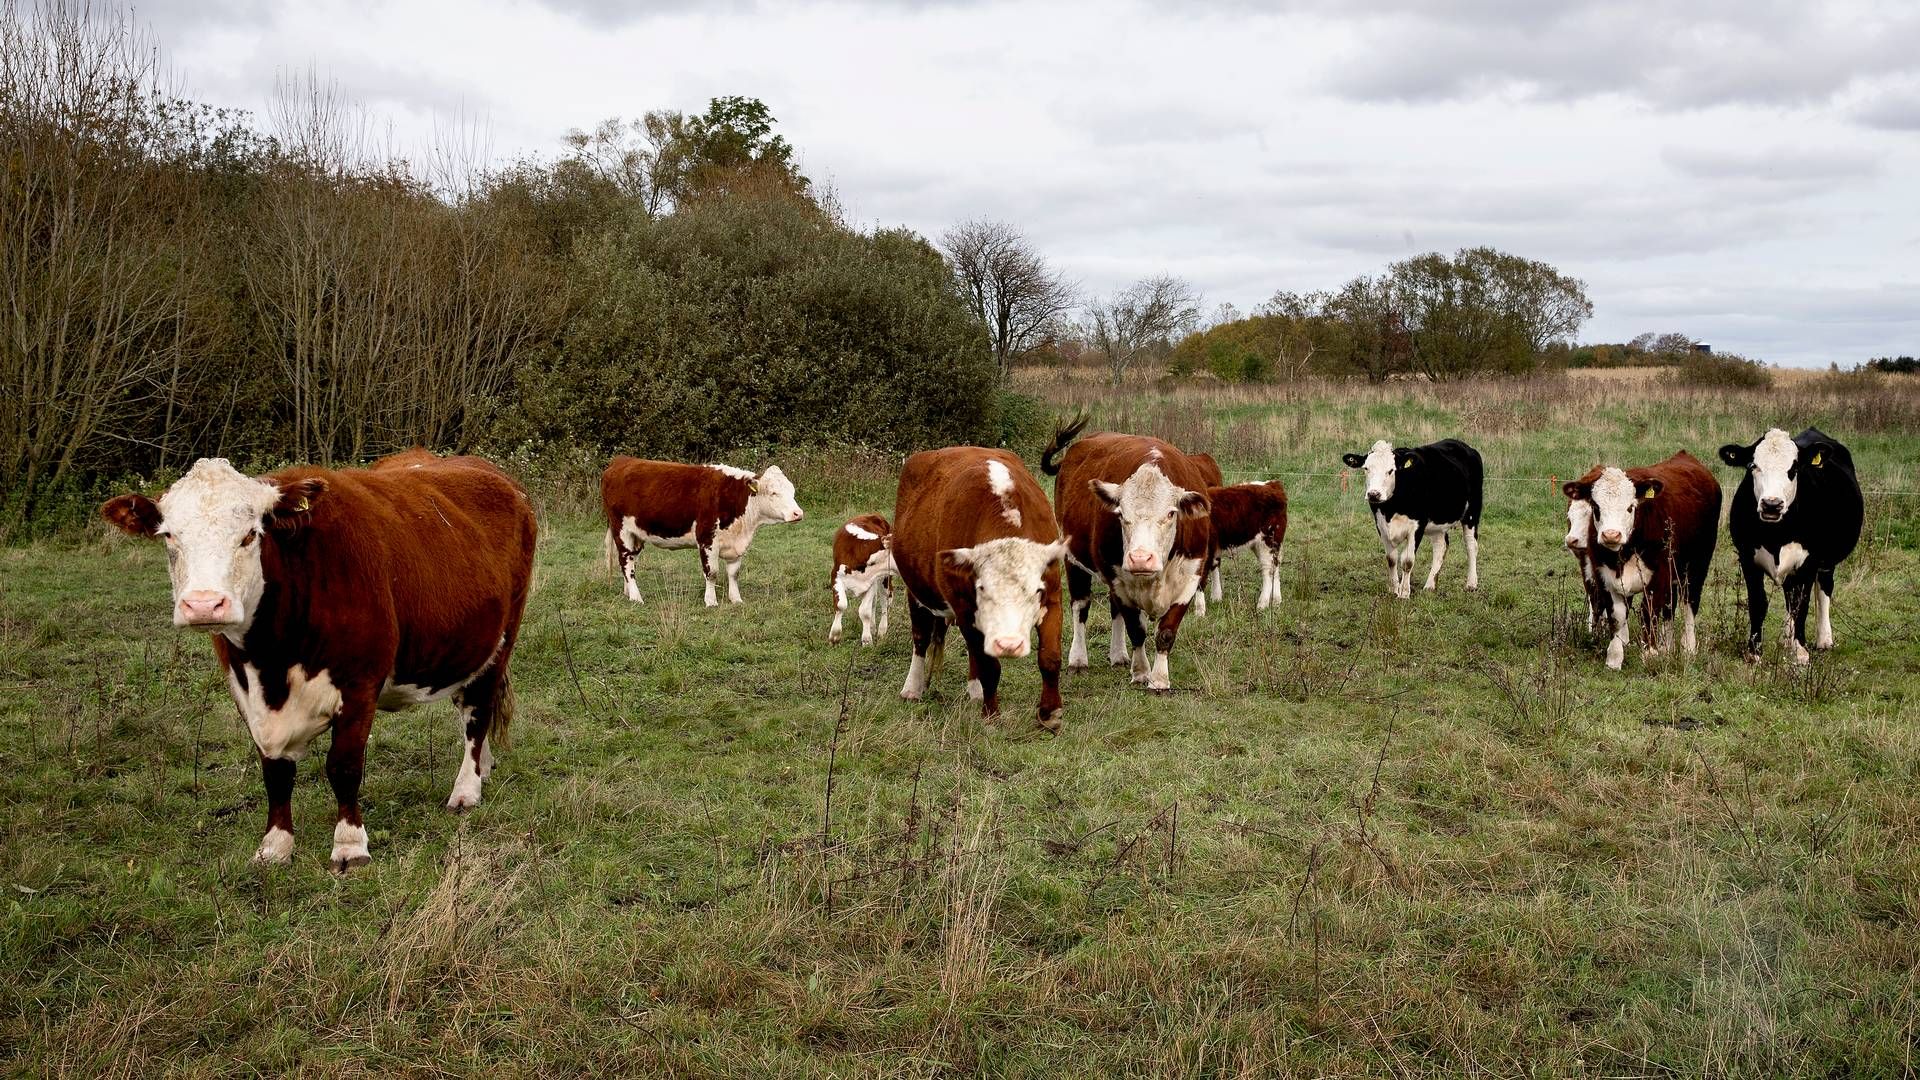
(1662, 344)
(1894, 365)
(1127, 324)
(1018, 298)
(667, 157)
(1484, 310)
(1374, 341)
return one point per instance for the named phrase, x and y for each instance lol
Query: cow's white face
(773, 496)
(1579, 521)
(212, 521)
(1008, 581)
(1382, 470)
(1616, 503)
(1150, 507)
(1776, 474)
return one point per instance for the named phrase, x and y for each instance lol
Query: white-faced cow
(863, 572)
(1136, 514)
(1580, 542)
(330, 593)
(714, 508)
(976, 545)
(1795, 516)
(1652, 532)
(1420, 490)
(1251, 516)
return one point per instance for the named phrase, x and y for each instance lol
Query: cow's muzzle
(1142, 562)
(205, 608)
(1772, 510)
(1613, 538)
(1014, 647)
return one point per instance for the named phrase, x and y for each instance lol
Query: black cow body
(1418, 490)
(1794, 535)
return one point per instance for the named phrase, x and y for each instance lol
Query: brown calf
(1251, 516)
(862, 566)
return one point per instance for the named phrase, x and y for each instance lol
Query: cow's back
(1687, 510)
(666, 498)
(417, 561)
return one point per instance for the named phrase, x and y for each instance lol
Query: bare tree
(1147, 313)
(1017, 296)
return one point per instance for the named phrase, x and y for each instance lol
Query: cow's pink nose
(202, 606)
(1611, 536)
(796, 515)
(1140, 561)
(1009, 646)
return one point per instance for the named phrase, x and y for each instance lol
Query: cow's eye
(1171, 514)
(247, 540)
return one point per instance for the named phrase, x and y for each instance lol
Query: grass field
(1363, 837)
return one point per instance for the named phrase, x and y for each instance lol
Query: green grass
(1363, 837)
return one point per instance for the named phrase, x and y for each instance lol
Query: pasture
(1361, 837)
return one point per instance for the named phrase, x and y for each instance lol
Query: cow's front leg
(1133, 624)
(1404, 562)
(706, 568)
(1393, 555)
(277, 845)
(928, 626)
(1269, 556)
(1163, 638)
(983, 673)
(1117, 642)
(1756, 604)
(733, 581)
(1823, 634)
(346, 760)
(886, 605)
(1473, 556)
(1799, 593)
(1049, 661)
(626, 556)
(1617, 647)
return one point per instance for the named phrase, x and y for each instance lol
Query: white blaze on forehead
(205, 516)
(1773, 460)
(1007, 576)
(1146, 501)
(1380, 467)
(1614, 503)
(854, 530)
(1000, 481)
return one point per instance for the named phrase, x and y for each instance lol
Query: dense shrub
(1724, 370)
(754, 321)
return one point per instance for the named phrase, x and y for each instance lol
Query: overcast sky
(1743, 171)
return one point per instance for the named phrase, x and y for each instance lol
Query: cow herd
(331, 594)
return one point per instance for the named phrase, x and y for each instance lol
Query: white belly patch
(1397, 529)
(285, 732)
(1792, 556)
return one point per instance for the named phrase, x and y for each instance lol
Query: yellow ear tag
(1646, 495)
(302, 508)
(1816, 459)
(1407, 464)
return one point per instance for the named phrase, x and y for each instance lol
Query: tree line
(186, 281)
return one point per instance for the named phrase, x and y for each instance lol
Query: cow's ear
(135, 515)
(1574, 490)
(1353, 461)
(956, 558)
(1106, 493)
(1650, 489)
(296, 501)
(1736, 455)
(1194, 504)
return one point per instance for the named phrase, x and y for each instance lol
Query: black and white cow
(1795, 517)
(1418, 490)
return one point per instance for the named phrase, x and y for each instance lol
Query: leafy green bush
(751, 322)
(1722, 370)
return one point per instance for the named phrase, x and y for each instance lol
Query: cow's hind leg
(886, 604)
(486, 707)
(867, 602)
(1472, 532)
(346, 761)
(839, 609)
(1439, 557)
(1823, 598)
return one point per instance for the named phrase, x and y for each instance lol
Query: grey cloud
(1891, 111)
(1814, 170)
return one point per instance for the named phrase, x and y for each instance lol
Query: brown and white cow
(1136, 513)
(334, 592)
(713, 508)
(1653, 532)
(975, 544)
(862, 567)
(1250, 516)
(1579, 541)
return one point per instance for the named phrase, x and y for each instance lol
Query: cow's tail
(613, 562)
(497, 732)
(1062, 435)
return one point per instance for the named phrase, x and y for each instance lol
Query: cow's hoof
(276, 849)
(461, 802)
(866, 641)
(833, 637)
(344, 863)
(1753, 658)
(909, 695)
(1050, 722)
